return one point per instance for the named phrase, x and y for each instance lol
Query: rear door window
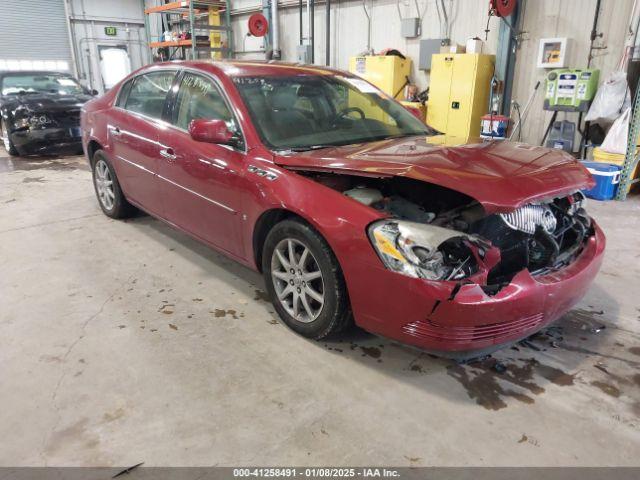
(149, 93)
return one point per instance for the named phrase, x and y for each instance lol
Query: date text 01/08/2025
(316, 472)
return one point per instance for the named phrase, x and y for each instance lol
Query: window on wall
(40, 65)
(149, 93)
(198, 97)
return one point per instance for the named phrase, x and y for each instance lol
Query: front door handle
(168, 153)
(115, 131)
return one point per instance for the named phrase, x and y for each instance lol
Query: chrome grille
(527, 218)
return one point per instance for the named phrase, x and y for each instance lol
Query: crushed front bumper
(438, 317)
(47, 141)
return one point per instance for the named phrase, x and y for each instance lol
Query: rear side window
(149, 92)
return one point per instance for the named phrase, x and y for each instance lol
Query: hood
(45, 102)
(501, 176)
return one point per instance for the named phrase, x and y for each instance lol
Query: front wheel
(110, 196)
(6, 140)
(304, 280)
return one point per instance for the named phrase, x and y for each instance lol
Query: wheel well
(264, 225)
(92, 147)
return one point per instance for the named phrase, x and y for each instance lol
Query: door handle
(115, 131)
(168, 153)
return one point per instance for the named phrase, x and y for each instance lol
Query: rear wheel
(110, 196)
(304, 280)
(6, 140)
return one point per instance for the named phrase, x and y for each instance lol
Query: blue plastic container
(607, 177)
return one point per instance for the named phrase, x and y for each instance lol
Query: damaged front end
(437, 234)
(48, 131)
(540, 237)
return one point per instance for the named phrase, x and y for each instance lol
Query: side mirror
(211, 131)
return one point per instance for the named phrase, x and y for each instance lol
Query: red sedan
(330, 188)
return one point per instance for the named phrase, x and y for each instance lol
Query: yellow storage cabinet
(387, 72)
(459, 95)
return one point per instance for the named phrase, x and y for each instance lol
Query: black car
(40, 112)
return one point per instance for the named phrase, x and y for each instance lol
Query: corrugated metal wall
(542, 19)
(88, 21)
(572, 19)
(34, 30)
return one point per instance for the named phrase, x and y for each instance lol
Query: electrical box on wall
(552, 52)
(428, 47)
(410, 27)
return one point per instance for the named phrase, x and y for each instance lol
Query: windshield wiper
(306, 148)
(402, 135)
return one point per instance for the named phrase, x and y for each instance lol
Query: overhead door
(34, 35)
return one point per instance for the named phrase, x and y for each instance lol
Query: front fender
(341, 220)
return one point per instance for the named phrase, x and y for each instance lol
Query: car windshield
(40, 83)
(313, 111)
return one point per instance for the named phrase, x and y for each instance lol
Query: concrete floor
(126, 342)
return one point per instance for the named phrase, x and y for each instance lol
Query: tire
(108, 191)
(311, 318)
(6, 140)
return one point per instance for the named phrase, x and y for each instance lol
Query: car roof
(251, 68)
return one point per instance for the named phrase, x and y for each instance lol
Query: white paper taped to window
(361, 85)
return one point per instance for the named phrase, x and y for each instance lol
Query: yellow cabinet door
(439, 90)
(461, 96)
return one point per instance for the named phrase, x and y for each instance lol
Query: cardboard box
(474, 45)
(453, 48)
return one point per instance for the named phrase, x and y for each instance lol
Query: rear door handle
(115, 131)
(168, 153)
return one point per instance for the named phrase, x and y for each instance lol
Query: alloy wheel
(104, 184)
(5, 137)
(297, 280)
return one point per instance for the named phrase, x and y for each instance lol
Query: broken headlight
(422, 251)
(20, 123)
(41, 119)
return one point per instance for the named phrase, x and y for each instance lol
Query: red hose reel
(502, 8)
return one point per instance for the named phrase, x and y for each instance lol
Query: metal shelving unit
(208, 21)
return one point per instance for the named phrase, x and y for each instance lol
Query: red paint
(500, 175)
(212, 131)
(208, 191)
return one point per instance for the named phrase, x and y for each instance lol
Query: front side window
(41, 83)
(310, 111)
(149, 92)
(124, 92)
(199, 98)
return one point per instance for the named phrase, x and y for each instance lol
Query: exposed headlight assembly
(40, 120)
(422, 251)
(37, 120)
(19, 123)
